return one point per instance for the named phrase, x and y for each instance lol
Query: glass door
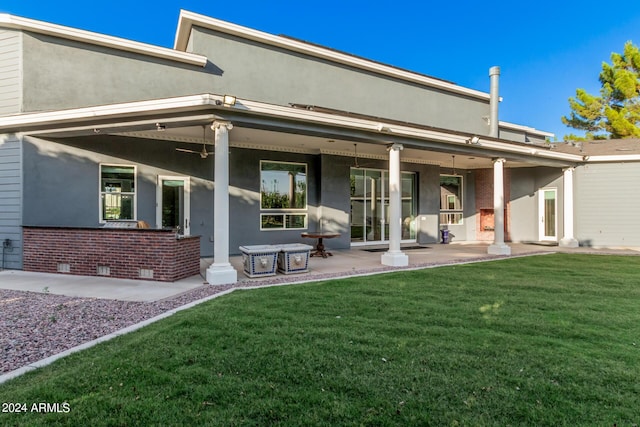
(548, 214)
(370, 206)
(173, 203)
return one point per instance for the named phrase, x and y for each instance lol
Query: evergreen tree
(616, 112)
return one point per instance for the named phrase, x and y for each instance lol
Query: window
(450, 199)
(117, 192)
(283, 193)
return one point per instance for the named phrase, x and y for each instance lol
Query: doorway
(173, 203)
(548, 213)
(370, 206)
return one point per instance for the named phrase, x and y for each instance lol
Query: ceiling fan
(203, 153)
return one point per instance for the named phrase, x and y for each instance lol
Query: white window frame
(284, 220)
(285, 212)
(450, 213)
(135, 192)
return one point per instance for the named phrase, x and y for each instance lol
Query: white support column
(498, 247)
(221, 272)
(394, 256)
(568, 241)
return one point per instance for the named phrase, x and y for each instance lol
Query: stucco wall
(607, 204)
(526, 184)
(256, 71)
(65, 74)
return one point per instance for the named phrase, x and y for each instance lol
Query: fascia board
(398, 130)
(190, 19)
(527, 129)
(156, 106)
(169, 105)
(614, 158)
(40, 27)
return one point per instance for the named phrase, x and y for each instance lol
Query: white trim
(186, 230)
(189, 19)
(614, 158)
(192, 102)
(95, 113)
(101, 220)
(40, 27)
(543, 218)
(306, 189)
(526, 129)
(284, 220)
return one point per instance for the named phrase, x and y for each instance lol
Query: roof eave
(196, 103)
(46, 28)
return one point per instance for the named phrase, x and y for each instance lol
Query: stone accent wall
(484, 204)
(121, 253)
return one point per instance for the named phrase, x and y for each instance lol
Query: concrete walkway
(349, 262)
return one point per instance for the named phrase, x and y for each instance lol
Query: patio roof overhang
(283, 128)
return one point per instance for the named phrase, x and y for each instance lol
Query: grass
(546, 340)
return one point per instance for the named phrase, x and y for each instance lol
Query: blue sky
(546, 49)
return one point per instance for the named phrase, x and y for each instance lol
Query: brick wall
(122, 253)
(484, 203)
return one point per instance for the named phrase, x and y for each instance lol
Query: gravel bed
(34, 325)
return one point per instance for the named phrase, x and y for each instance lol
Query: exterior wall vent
(146, 273)
(103, 270)
(64, 268)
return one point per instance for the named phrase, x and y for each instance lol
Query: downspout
(494, 99)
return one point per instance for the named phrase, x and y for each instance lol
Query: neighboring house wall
(256, 71)
(607, 206)
(61, 74)
(10, 72)
(526, 184)
(10, 200)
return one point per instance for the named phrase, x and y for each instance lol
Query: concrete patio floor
(346, 262)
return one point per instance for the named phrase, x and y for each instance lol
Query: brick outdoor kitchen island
(133, 253)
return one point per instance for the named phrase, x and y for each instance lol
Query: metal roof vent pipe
(494, 99)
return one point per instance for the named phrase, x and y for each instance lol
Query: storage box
(294, 258)
(259, 260)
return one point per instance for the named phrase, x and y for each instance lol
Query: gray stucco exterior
(62, 74)
(256, 71)
(526, 184)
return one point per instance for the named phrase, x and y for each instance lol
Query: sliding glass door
(370, 206)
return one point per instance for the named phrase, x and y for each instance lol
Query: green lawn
(545, 340)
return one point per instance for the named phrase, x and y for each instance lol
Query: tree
(616, 112)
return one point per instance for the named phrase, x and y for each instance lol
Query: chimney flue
(494, 73)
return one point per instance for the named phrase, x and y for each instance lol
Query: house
(241, 137)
